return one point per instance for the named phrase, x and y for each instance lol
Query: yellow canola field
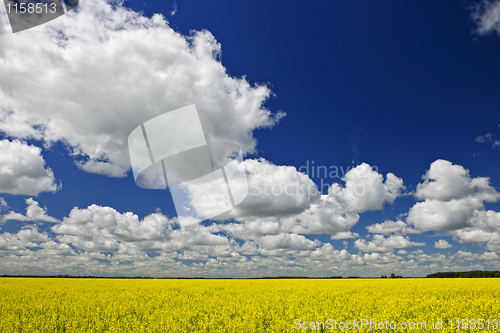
(285, 305)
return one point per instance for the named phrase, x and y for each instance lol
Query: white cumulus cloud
(275, 190)
(27, 237)
(476, 256)
(380, 243)
(23, 170)
(445, 181)
(442, 244)
(390, 227)
(33, 213)
(337, 211)
(451, 198)
(111, 69)
(365, 189)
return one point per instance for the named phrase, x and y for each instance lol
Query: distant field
(112, 305)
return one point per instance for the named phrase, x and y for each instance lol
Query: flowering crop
(266, 305)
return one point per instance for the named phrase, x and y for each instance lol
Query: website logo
(206, 179)
(26, 14)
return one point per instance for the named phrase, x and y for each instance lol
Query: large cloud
(453, 202)
(484, 226)
(23, 171)
(451, 198)
(445, 181)
(443, 215)
(89, 78)
(275, 190)
(365, 189)
(282, 197)
(336, 212)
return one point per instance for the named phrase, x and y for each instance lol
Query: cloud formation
(442, 244)
(452, 202)
(274, 190)
(95, 96)
(380, 243)
(291, 201)
(389, 227)
(451, 198)
(100, 240)
(33, 213)
(23, 171)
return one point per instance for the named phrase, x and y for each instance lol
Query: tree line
(470, 274)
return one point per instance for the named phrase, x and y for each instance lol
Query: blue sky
(397, 90)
